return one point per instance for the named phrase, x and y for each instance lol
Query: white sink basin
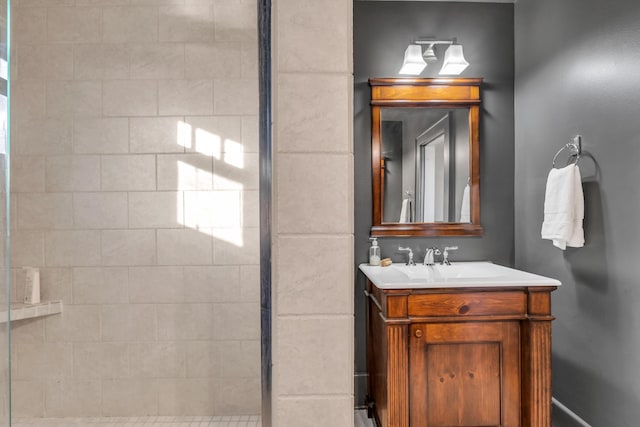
(459, 274)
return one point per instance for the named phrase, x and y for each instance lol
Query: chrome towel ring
(574, 146)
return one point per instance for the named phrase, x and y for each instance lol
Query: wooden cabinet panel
(459, 357)
(464, 374)
(468, 304)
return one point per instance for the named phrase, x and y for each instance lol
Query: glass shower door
(5, 366)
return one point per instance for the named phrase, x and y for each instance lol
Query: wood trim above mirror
(418, 92)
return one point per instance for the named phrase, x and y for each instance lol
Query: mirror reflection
(425, 164)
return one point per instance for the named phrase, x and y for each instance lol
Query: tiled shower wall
(313, 214)
(134, 189)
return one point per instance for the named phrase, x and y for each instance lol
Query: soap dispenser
(374, 252)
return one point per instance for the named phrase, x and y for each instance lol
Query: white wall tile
(97, 61)
(74, 24)
(234, 246)
(27, 174)
(240, 359)
(189, 97)
(212, 60)
(129, 397)
(241, 395)
(215, 135)
(236, 21)
(180, 322)
(42, 361)
(186, 396)
(129, 322)
(203, 359)
(28, 331)
(186, 23)
(130, 24)
(327, 198)
(43, 136)
(250, 139)
(73, 398)
(212, 284)
(76, 323)
(128, 247)
(100, 135)
(50, 61)
(29, 25)
(326, 26)
(250, 60)
(157, 61)
(311, 366)
(236, 321)
(314, 288)
(74, 98)
(72, 173)
(156, 209)
(250, 283)
(45, 211)
(128, 173)
(100, 360)
(202, 209)
(156, 284)
(185, 172)
(157, 360)
(236, 172)
(100, 285)
(100, 210)
(157, 135)
(72, 248)
(184, 247)
(130, 98)
(236, 96)
(27, 398)
(27, 248)
(28, 99)
(324, 124)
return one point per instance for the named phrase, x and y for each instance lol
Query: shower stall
(134, 212)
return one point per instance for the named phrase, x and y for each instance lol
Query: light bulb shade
(454, 62)
(413, 62)
(429, 54)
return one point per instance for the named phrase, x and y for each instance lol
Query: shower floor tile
(206, 421)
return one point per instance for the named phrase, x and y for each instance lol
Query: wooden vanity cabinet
(460, 357)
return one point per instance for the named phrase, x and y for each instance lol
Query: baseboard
(569, 413)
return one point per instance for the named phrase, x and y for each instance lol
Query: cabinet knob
(418, 333)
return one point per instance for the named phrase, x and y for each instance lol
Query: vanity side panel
(377, 361)
(536, 359)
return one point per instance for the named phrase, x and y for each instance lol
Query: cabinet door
(464, 374)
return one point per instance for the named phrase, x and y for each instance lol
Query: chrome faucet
(429, 258)
(445, 254)
(410, 262)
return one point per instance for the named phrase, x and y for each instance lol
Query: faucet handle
(410, 262)
(450, 248)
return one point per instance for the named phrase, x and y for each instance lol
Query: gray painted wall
(382, 31)
(577, 68)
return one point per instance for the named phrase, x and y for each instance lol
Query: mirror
(425, 157)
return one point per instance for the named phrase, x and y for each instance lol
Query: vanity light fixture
(415, 61)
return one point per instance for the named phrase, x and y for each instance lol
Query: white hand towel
(465, 210)
(405, 212)
(564, 208)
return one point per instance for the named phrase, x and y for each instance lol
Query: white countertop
(457, 275)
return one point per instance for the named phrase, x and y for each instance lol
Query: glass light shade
(454, 62)
(413, 62)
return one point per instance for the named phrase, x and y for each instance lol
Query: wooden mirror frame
(417, 92)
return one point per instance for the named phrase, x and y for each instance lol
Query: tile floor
(208, 421)
(362, 420)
